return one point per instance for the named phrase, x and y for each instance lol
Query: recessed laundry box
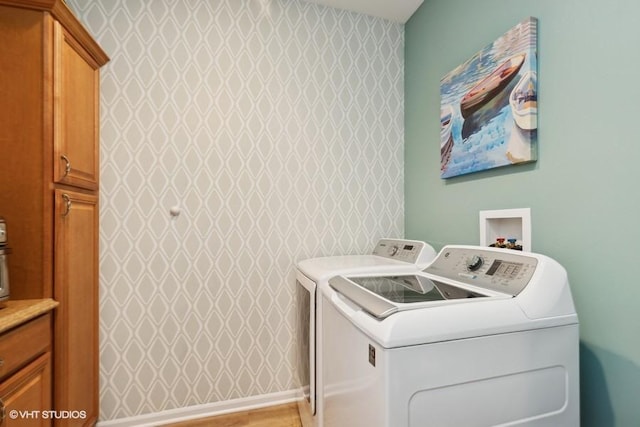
(481, 337)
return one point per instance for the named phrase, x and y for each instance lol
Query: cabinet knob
(67, 164)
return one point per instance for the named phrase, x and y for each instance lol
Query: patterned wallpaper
(276, 127)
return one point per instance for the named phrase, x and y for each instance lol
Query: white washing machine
(390, 256)
(482, 337)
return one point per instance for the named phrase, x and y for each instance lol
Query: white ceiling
(393, 10)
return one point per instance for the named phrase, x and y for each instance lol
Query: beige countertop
(16, 312)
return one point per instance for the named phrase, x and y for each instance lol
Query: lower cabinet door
(75, 381)
(26, 395)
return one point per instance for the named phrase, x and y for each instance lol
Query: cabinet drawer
(23, 344)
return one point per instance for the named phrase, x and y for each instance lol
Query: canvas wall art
(489, 106)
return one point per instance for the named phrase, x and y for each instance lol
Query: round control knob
(474, 263)
(393, 250)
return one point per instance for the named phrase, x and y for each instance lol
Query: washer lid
(518, 298)
(389, 255)
(383, 296)
(321, 269)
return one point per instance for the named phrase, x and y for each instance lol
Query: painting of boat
(446, 139)
(488, 105)
(491, 85)
(524, 101)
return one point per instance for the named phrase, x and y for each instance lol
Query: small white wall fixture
(506, 224)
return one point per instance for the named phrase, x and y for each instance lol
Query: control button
(393, 250)
(474, 263)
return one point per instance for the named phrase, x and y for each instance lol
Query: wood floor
(274, 416)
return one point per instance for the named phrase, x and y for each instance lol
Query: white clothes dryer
(481, 337)
(390, 256)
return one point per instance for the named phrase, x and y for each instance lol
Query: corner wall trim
(204, 410)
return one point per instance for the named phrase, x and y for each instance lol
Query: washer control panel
(500, 271)
(401, 250)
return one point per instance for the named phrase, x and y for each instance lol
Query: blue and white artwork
(489, 106)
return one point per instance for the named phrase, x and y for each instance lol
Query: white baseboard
(204, 410)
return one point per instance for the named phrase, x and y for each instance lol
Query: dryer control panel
(402, 250)
(497, 270)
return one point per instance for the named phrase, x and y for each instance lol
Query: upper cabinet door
(75, 113)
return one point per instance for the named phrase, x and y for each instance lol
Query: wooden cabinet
(25, 374)
(76, 268)
(49, 134)
(26, 142)
(29, 393)
(75, 108)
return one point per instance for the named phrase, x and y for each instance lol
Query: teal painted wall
(583, 190)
